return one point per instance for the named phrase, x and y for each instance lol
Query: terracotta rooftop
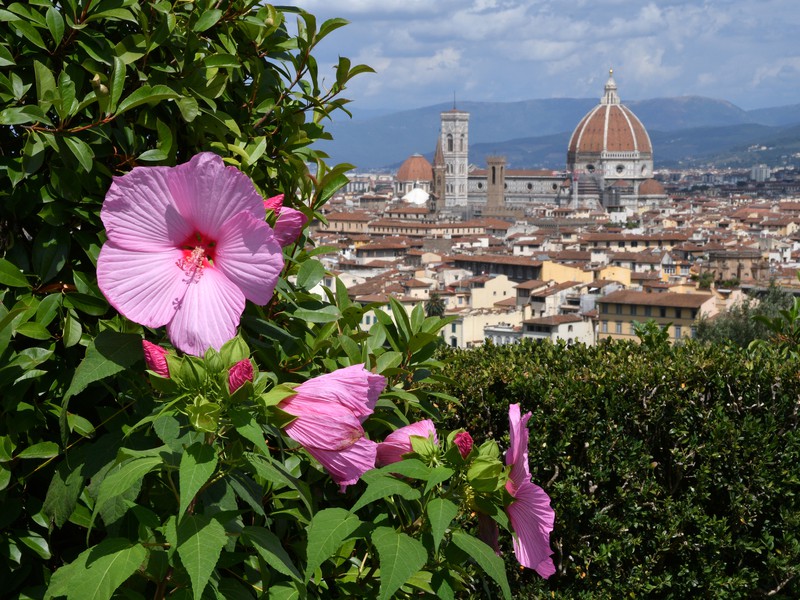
(647, 299)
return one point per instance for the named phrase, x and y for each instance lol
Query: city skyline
(426, 53)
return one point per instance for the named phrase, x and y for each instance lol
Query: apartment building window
(604, 327)
(604, 309)
(677, 313)
(663, 312)
(619, 309)
(677, 332)
(618, 327)
(633, 329)
(452, 327)
(633, 311)
(648, 311)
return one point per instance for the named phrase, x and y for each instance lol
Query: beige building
(618, 311)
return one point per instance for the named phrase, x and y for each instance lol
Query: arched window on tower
(449, 142)
(494, 174)
(461, 143)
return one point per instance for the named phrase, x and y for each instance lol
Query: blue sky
(424, 51)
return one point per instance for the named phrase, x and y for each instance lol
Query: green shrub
(673, 470)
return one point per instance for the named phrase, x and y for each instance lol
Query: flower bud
(464, 442)
(156, 358)
(240, 372)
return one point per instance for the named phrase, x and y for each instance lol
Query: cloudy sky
(424, 51)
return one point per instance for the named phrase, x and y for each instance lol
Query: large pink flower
(398, 442)
(530, 513)
(186, 247)
(329, 410)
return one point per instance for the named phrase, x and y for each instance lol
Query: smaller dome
(415, 168)
(416, 196)
(651, 187)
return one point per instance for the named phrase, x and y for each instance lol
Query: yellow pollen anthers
(193, 264)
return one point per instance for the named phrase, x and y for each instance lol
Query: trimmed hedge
(674, 471)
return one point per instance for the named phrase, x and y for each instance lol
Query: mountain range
(686, 131)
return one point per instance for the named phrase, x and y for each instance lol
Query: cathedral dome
(609, 127)
(610, 143)
(415, 168)
(651, 187)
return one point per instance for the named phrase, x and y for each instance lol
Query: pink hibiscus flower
(289, 223)
(187, 245)
(398, 442)
(329, 410)
(530, 513)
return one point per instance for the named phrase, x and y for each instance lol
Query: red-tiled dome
(415, 168)
(609, 127)
(651, 187)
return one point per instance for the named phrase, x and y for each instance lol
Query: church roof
(610, 127)
(415, 168)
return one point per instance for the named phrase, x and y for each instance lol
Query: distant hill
(535, 133)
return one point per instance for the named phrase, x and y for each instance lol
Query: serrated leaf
(441, 513)
(197, 466)
(327, 531)
(400, 557)
(486, 558)
(269, 547)
(110, 353)
(120, 478)
(98, 571)
(40, 450)
(200, 542)
(384, 487)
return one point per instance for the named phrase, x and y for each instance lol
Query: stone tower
(439, 177)
(496, 183)
(455, 151)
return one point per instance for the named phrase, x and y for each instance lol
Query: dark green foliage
(743, 323)
(673, 471)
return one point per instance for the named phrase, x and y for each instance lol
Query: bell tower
(455, 152)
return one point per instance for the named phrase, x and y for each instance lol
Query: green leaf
(116, 84)
(324, 314)
(382, 487)
(310, 274)
(400, 557)
(35, 331)
(98, 571)
(19, 115)
(441, 512)
(45, 85)
(110, 353)
(197, 466)
(486, 558)
(327, 531)
(81, 150)
(221, 60)
(200, 542)
(122, 476)
(207, 20)
(50, 252)
(269, 547)
(55, 23)
(11, 275)
(40, 450)
(72, 330)
(144, 95)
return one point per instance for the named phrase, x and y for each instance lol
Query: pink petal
(348, 465)
(274, 203)
(207, 193)
(398, 443)
(463, 441)
(353, 387)
(532, 520)
(320, 425)
(289, 225)
(208, 314)
(139, 212)
(249, 256)
(517, 453)
(240, 372)
(145, 287)
(156, 358)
